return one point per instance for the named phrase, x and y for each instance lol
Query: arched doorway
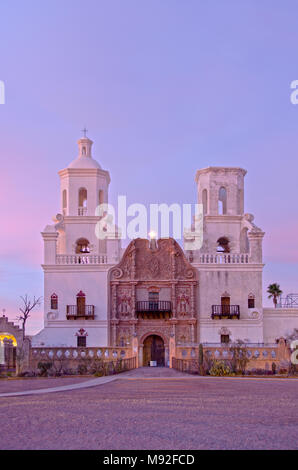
(8, 347)
(154, 350)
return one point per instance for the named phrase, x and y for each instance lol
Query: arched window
(223, 245)
(54, 302)
(64, 199)
(205, 201)
(222, 201)
(82, 201)
(82, 246)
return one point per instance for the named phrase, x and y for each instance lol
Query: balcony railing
(226, 311)
(159, 310)
(82, 210)
(73, 312)
(159, 306)
(81, 259)
(223, 258)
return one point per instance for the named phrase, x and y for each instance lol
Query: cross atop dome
(84, 131)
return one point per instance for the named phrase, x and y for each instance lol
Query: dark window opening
(224, 339)
(153, 300)
(153, 296)
(223, 245)
(82, 246)
(81, 341)
(54, 302)
(251, 303)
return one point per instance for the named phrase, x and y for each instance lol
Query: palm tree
(275, 292)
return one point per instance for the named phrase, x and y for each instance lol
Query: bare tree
(26, 308)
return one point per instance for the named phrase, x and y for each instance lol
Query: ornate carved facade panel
(183, 333)
(124, 302)
(164, 270)
(183, 302)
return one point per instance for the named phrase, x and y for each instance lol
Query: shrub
(28, 373)
(44, 368)
(82, 369)
(219, 368)
(118, 367)
(97, 367)
(201, 360)
(99, 373)
(273, 368)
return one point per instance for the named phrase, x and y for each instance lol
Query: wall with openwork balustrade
(261, 356)
(72, 357)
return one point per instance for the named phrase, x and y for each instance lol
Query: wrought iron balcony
(225, 311)
(73, 312)
(159, 306)
(161, 309)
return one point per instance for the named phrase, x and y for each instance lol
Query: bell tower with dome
(76, 261)
(84, 185)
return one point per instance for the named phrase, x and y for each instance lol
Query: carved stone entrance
(152, 293)
(154, 350)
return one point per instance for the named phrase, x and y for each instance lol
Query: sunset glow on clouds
(162, 95)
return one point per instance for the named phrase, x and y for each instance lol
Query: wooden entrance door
(81, 303)
(225, 305)
(154, 350)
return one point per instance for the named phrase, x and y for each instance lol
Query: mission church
(153, 294)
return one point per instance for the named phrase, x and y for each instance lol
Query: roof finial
(85, 131)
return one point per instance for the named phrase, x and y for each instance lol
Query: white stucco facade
(229, 265)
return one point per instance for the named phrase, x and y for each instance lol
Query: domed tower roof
(84, 159)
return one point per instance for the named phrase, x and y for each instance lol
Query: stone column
(192, 300)
(167, 356)
(192, 323)
(50, 237)
(193, 319)
(172, 350)
(173, 298)
(114, 320)
(133, 299)
(140, 361)
(255, 246)
(114, 300)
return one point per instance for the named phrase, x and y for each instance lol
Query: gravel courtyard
(153, 409)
